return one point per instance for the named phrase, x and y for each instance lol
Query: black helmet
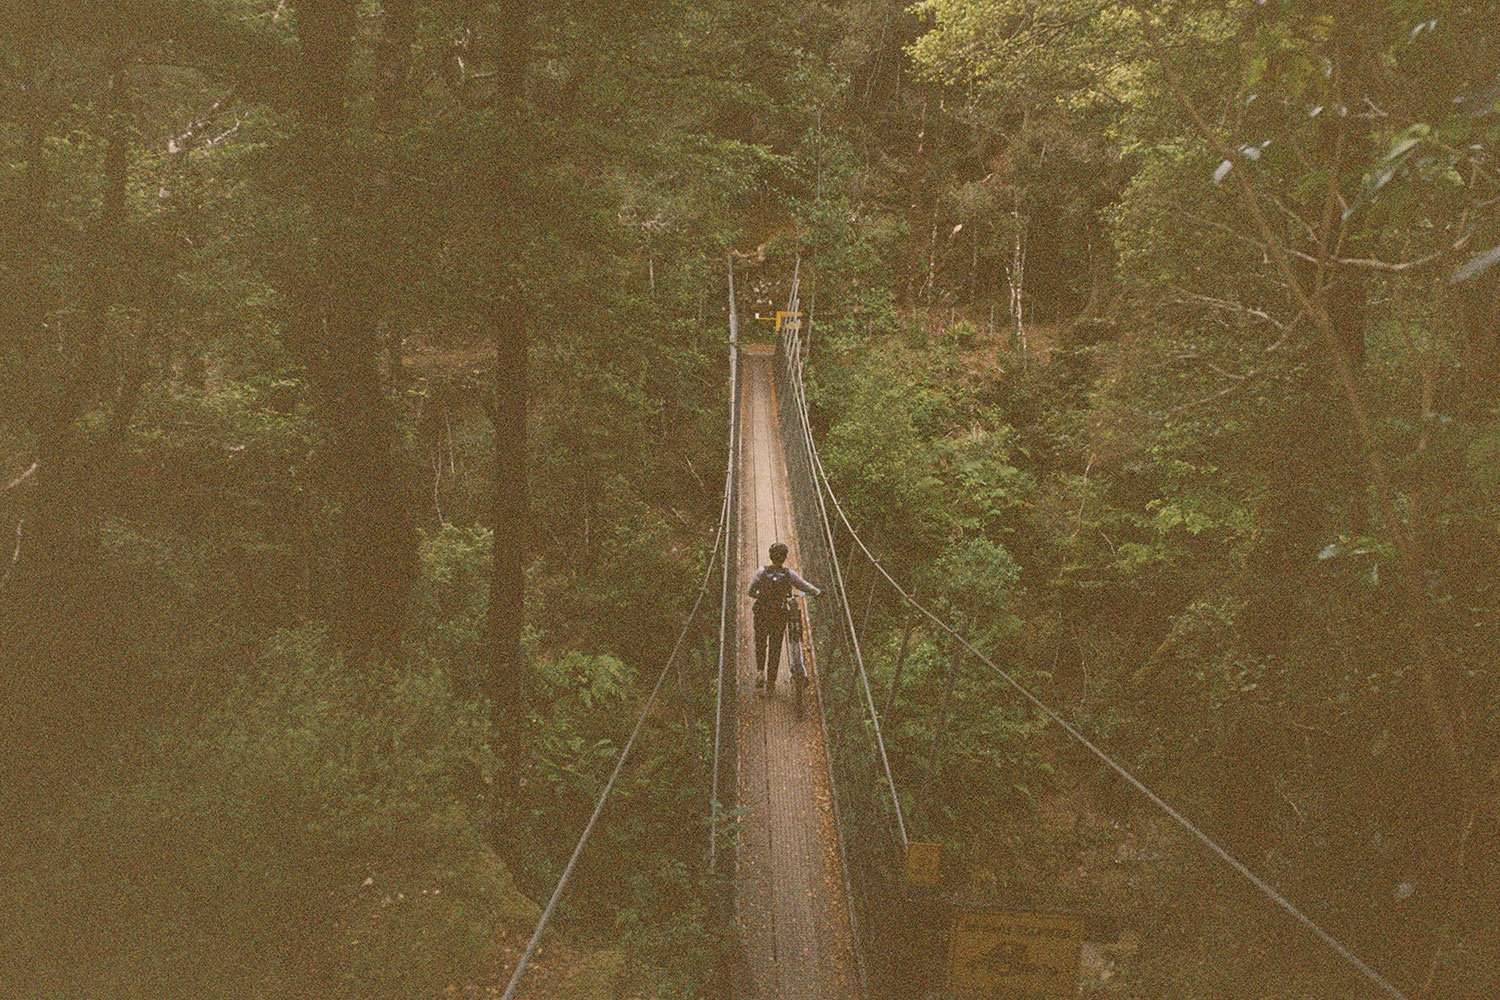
(778, 552)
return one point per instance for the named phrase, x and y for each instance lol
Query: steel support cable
(726, 599)
(1333, 943)
(588, 830)
(790, 349)
(619, 766)
(726, 587)
(798, 456)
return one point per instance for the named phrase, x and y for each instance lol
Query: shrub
(305, 837)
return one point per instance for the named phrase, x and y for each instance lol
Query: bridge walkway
(793, 909)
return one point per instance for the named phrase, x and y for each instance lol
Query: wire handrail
(723, 704)
(869, 818)
(723, 546)
(793, 350)
(609, 786)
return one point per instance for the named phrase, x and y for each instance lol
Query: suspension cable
(791, 347)
(1307, 922)
(726, 621)
(562, 883)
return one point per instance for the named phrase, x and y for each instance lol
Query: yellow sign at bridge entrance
(997, 954)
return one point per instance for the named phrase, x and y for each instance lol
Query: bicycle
(796, 665)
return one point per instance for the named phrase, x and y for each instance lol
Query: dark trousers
(769, 628)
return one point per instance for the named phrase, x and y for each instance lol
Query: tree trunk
(890, 699)
(56, 498)
(325, 33)
(33, 222)
(379, 557)
(1016, 279)
(510, 515)
(940, 732)
(336, 332)
(393, 58)
(1479, 303)
(508, 316)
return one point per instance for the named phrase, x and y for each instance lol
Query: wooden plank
(793, 914)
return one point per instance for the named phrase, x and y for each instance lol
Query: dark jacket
(772, 586)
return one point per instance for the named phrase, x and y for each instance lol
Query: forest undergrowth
(1115, 556)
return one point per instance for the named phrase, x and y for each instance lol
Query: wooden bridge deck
(793, 911)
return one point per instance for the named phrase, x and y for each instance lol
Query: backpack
(775, 588)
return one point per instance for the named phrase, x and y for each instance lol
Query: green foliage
(200, 275)
(993, 494)
(880, 452)
(1155, 573)
(1483, 457)
(977, 575)
(308, 830)
(1159, 517)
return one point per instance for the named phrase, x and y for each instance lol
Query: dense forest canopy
(362, 415)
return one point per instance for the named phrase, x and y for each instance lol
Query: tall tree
(335, 329)
(508, 316)
(71, 377)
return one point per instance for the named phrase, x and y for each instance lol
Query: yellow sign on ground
(997, 954)
(788, 321)
(924, 864)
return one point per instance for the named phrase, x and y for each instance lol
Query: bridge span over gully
(791, 902)
(807, 829)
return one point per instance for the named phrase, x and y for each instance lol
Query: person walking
(770, 590)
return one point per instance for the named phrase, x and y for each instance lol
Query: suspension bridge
(806, 824)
